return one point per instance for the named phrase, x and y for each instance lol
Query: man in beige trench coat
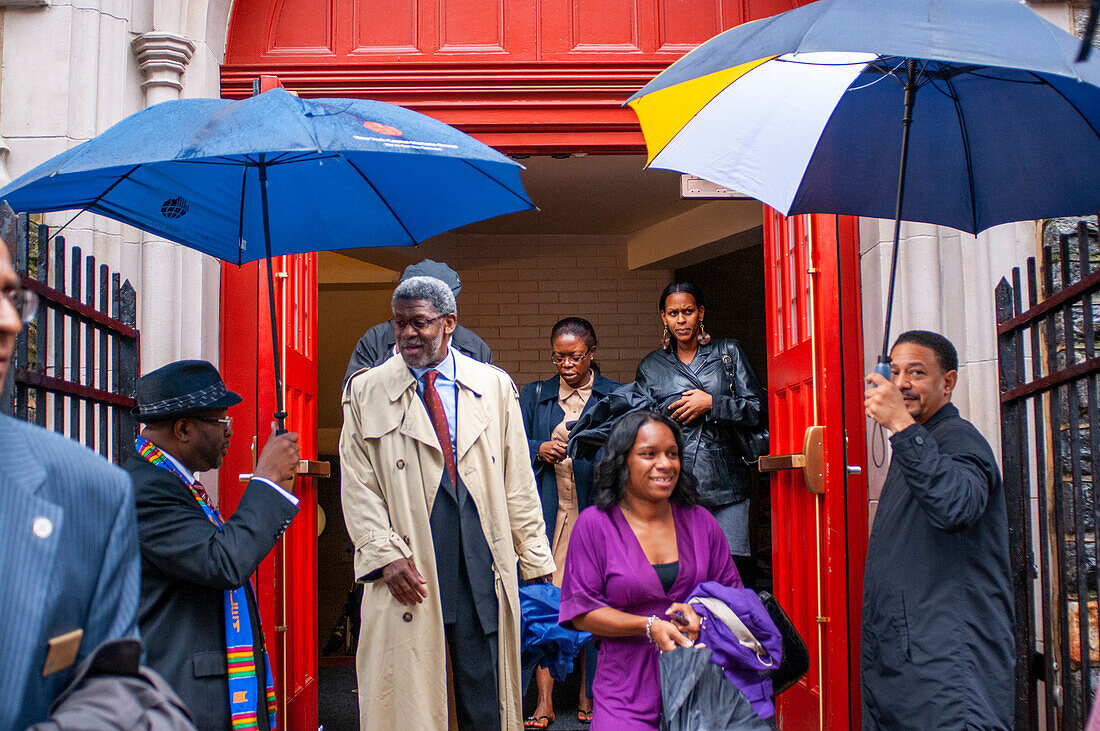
(442, 506)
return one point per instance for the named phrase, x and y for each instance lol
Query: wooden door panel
(290, 31)
(683, 24)
(814, 379)
(471, 26)
(385, 27)
(297, 584)
(286, 579)
(603, 26)
(303, 28)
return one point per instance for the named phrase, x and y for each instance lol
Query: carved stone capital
(162, 58)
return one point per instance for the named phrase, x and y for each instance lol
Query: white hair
(434, 291)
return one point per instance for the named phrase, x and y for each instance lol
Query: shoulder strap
(727, 347)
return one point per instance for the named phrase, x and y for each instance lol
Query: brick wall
(515, 288)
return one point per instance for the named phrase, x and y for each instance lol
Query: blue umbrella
(545, 643)
(802, 110)
(275, 174)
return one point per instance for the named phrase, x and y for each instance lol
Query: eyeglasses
(574, 359)
(24, 301)
(420, 324)
(225, 421)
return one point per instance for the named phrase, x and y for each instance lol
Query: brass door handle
(306, 468)
(811, 460)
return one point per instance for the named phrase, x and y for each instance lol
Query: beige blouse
(572, 401)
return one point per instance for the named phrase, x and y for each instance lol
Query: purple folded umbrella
(743, 639)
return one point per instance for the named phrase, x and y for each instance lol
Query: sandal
(537, 721)
(584, 716)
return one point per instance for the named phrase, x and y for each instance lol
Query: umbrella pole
(883, 365)
(280, 415)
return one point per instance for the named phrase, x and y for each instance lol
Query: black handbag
(796, 658)
(752, 442)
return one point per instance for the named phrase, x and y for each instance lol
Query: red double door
(286, 581)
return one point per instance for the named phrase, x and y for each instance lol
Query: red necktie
(439, 423)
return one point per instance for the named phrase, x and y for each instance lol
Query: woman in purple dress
(633, 559)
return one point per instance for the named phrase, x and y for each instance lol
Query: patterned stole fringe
(239, 655)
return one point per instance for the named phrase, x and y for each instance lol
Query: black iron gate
(75, 364)
(1049, 432)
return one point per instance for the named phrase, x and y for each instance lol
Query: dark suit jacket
(186, 566)
(79, 570)
(541, 413)
(376, 347)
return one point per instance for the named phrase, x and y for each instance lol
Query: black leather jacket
(710, 450)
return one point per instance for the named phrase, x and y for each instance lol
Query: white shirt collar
(184, 472)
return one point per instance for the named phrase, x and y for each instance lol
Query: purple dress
(605, 567)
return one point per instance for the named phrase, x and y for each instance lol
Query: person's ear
(702, 311)
(949, 380)
(181, 430)
(450, 322)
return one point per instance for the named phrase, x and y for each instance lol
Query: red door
(286, 582)
(815, 379)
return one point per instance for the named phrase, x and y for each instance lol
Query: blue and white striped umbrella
(803, 111)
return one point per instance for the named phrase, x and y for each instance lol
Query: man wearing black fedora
(198, 613)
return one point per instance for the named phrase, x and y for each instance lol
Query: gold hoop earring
(666, 338)
(703, 337)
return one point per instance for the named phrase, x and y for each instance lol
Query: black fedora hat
(179, 389)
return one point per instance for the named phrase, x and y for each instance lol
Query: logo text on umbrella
(175, 207)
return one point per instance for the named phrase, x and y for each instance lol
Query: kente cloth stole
(239, 656)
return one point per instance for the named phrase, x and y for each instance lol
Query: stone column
(180, 288)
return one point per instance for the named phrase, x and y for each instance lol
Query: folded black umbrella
(697, 696)
(590, 433)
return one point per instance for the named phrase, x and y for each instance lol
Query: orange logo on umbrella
(382, 129)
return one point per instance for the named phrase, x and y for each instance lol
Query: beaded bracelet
(649, 627)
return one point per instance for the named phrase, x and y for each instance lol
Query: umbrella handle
(883, 367)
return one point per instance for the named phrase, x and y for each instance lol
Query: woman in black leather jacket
(710, 388)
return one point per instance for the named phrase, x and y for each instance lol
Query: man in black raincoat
(937, 644)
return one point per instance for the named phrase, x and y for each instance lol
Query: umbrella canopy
(803, 111)
(545, 642)
(341, 173)
(696, 695)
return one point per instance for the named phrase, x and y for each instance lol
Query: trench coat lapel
(21, 479)
(400, 385)
(473, 417)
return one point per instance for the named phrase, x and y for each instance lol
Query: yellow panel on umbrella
(664, 113)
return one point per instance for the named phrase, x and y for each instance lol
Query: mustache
(907, 393)
(413, 342)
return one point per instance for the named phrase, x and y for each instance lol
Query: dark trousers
(468, 595)
(473, 663)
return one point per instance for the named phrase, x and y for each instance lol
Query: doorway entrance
(607, 238)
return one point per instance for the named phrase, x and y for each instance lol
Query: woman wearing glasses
(549, 407)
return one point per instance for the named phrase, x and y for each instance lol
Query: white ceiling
(594, 194)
